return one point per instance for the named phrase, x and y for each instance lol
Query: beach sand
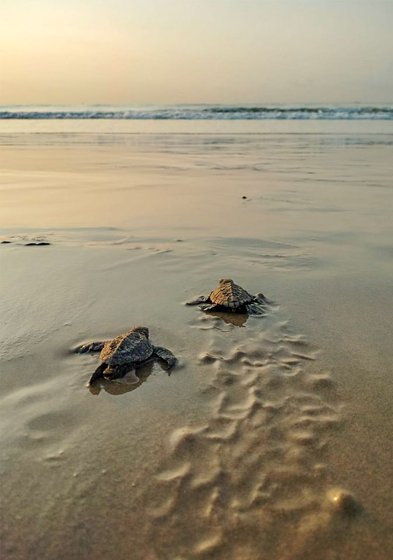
(246, 449)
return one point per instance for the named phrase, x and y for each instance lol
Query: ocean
(201, 112)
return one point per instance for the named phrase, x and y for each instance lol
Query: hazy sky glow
(196, 51)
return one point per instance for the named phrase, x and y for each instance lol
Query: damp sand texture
(271, 439)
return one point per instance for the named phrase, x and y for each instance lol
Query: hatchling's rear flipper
(98, 373)
(198, 300)
(255, 309)
(210, 307)
(165, 355)
(91, 347)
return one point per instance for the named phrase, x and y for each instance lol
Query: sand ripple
(260, 455)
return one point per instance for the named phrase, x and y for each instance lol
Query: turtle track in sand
(257, 468)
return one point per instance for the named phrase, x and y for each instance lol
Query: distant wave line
(214, 112)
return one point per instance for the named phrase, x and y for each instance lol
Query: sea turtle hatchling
(124, 353)
(228, 296)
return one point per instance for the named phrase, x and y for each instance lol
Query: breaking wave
(200, 112)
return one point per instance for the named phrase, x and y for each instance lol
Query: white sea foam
(200, 112)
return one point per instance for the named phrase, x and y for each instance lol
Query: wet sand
(247, 448)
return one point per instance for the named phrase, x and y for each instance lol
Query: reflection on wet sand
(235, 319)
(217, 319)
(126, 384)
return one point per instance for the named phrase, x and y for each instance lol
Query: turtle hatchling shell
(229, 294)
(129, 347)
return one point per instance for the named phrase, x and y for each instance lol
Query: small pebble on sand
(343, 501)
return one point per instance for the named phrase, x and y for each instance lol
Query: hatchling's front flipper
(165, 355)
(199, 300)
(260, 298)
(90, 347)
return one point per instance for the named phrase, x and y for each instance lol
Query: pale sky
(196, 51)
